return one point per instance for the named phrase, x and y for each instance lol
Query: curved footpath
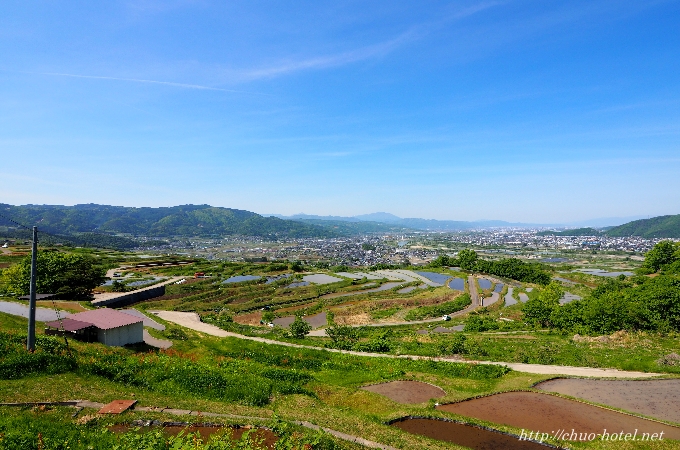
(193, 321)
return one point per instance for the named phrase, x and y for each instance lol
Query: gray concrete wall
(129, 298)
(117, 337)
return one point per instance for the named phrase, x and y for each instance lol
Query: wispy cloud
(378, 50)
(323, 62)
(140, 80)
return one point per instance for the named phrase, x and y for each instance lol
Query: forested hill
(656, 227)
(185, 220)
(574, 232)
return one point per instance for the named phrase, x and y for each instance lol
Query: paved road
(41, 314)
(158, 343)
(148, 322)
(193, 321)
(474, 295)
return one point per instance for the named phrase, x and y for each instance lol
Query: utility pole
(30, 342)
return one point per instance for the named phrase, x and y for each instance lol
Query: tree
(468, 259)
(297, 266)
(299, 328)
(663, 253)
(118, 286)
(64, 274)
(267, 317)
(538, 310)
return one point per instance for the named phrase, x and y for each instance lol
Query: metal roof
(69, 324)
(105, 318)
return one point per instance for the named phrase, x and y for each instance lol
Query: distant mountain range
(411, 223)
(185, 220)
(206, 220)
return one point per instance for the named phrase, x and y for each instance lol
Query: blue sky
(517, 110)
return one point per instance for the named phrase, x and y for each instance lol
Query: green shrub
(299, 328)
(426, 312)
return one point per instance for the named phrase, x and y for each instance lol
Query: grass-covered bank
(55, 428)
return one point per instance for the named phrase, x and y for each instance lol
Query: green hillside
(656, 227)
(185, 220)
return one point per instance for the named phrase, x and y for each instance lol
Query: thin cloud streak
(139, 80)
(373, 51)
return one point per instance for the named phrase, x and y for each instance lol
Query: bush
(481, 323)
(299, 328)
(538, 311)
(426, 312)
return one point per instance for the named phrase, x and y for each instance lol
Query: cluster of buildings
(415, 248)
(534, 239)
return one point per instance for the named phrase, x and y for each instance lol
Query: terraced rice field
(654, 398)
(407, 392)
(457, 284)
(536, 412)
(321, 278)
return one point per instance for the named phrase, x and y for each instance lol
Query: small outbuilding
(108, 326)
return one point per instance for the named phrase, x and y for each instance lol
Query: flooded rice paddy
(321, 278)
(654, 398)
(457, 284)
(435, 277)
(462, 434)
(484, 283)
(544, 412)
(240, 278)
(509, 299)
(316, 320)
(406, 392)
(604, 273)
(569, 297)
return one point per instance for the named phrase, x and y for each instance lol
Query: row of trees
(68, 275)
(650, 304)
(637, 303)
(512, 268)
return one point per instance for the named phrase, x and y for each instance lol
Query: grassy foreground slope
(277, 384)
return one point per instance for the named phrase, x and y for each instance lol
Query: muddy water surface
(467, 435)
(407, 391)
(655, 398)
(548, 413)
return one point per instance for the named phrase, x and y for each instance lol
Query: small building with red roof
(108, 326)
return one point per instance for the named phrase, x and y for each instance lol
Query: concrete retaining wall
(129, 298)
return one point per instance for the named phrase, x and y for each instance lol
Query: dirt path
(193, 321)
